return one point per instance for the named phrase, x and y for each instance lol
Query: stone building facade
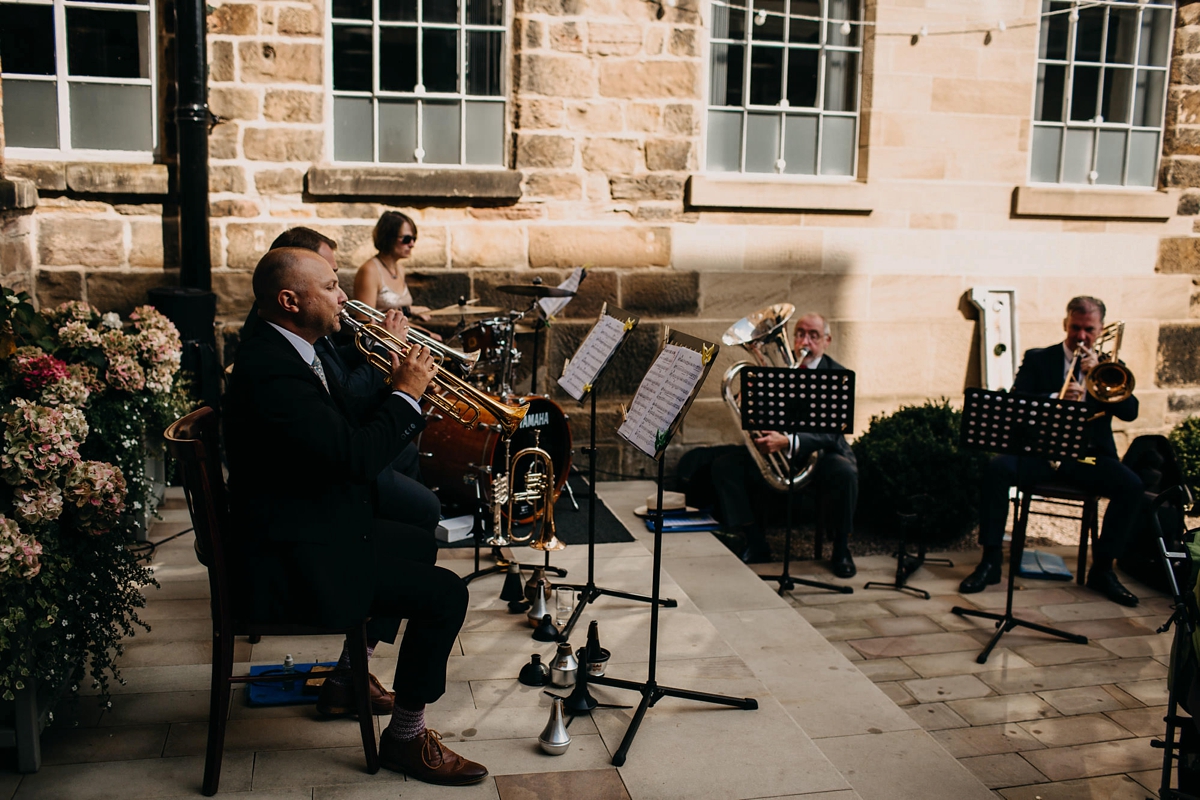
(607, 140)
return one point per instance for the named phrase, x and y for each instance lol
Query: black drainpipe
(192, 306)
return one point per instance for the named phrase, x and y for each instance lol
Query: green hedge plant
(1185, 440)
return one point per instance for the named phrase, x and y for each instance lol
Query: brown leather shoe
(426, 759)
(337, 699)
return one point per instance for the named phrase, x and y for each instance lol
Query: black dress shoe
(1106, 583)
(841, 564)
(756, 553)
(986, 574)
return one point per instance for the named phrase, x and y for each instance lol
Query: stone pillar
(17, 199)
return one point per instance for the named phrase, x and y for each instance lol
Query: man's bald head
(298, 290)
(282, 268)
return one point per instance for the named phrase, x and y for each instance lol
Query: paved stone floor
(869, 696)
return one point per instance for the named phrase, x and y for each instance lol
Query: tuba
(460, 400)
(764, 334)
(539, 488)
(1110, 381)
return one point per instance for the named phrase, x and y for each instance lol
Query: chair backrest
(194, 442)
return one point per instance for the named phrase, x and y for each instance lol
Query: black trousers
(401, 497)
(1108, 477)
(434, 601)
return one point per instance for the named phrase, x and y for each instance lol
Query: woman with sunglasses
(380, 282)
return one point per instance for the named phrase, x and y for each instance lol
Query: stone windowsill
(1095, 203)
(414, 182)
(742, 191)
(92, 177)
(17, 193)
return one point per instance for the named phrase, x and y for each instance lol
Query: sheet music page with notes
(602, 341)
(661, 397)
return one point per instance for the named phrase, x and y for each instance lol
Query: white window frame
(147, 39)
(783, 108)
(1097, 124)
(419, 94)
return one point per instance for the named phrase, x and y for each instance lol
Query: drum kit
(471, 468)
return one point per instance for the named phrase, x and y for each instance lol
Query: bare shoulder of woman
(366, 284)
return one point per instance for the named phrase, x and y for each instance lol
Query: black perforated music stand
(797, 401)
(1026, 426)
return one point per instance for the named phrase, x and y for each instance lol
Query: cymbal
(466, 311)
(521, 327)
(534, 291)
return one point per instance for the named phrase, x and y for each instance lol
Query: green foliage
(1185, 440)
(915, 451)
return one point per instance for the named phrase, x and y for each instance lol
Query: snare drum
(493, 338)
(458, 453)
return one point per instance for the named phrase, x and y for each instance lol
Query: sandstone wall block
(645, 117)
(608, 39)
(561, 8)
(280, 62)
(487, 246)
(1186, 71)
(519, 212)
(233, 103)
(1178, 355)
(46, 176)
(1186, 105)
(529, 34)
(1182, 141)
(238, 207)
(649, 79)
(1182, 172)
(56, 286)
(1179, 255)
(146, 243)
(248, 241)
(234, 292)
(101, 178)
(1189, 203)
(282, 144)
(299, 22)
(293, 105)
(236, 19)
(438, 288)
(554, 185)
(88, 242)
(595, 117)
(648, 187)
(543, 150)
(223, 141)
(600, 286)
(226, 178)
(16, 247)
(557, 76)
(566, 37)
(124, 290)
(533, 113)
(668, 154)
(683, 43)
(662, 293)
(348, 210)
(220, 61)
(611, 155)
(599, 245)
(279, 181)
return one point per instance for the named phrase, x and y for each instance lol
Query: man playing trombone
(1061, 370)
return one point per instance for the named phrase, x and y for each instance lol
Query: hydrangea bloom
(34, 369)
(40, 442)
(73, 311)
(96, 489)
(78, 334)
(18, 552)
(36, 504)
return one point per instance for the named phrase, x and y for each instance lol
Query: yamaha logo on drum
(538, 420)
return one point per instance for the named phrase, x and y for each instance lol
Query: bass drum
(454, 454)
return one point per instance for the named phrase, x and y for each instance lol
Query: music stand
(1024, 426)
(797, 401)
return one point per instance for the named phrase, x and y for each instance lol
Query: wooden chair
(1061, 495)
(193, 442)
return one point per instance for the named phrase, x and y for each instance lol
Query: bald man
(303, 459)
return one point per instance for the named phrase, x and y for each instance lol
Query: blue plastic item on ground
(1044, 566)
(275, 694)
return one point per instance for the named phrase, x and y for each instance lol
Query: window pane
(439, 70)
(841, 81)
(842, 10)
(397, 59)
(1148, 101)
(396, 10)
(1050, 87)
(440, 132)
(1118, 88)
(30, 113)
(728, 23)
(104, 43)
(484, 61)
(802, 77)
(485, 12)
(800, 145)
(351, 58)
(485, 133)
(439, 11)
(762, 142)
(1143, 158)
(804, 31)
(725, 79)
(1046, 144)
(352, 129)
(397, 130)
(1088, 33)
(1052, 41)
(766, 76)
(1156, 37)
(1077, 160)
(352, 9)
(837, 146)
(767, 22)
(724, 141)
(1122, 35)
(1110, 158)
(109, 116)
(1083, 93)
(27, 39)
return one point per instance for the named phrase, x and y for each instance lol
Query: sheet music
(552, 305)
(601, 342)
(662, 395)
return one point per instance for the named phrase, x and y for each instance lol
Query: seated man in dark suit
(736, 478)
(303, 459)
(1043, 372)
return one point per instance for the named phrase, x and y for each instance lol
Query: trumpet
(461, 401)
(1110, 381)
(441, 351)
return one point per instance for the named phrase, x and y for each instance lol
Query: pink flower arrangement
(36, 369)
(40, 442)
(18, 552)
(96, 490)
(37, 504)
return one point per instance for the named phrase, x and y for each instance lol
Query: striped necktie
(317, 368)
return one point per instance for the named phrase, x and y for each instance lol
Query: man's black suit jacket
(302, 467)
(829, 442)
(1041, 373)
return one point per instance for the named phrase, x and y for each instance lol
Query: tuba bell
(764, 335)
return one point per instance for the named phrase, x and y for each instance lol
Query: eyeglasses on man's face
(815, 335)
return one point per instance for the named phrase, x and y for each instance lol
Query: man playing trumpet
(1056, 371)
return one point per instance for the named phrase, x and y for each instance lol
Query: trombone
(1110, 381)
(440, 350)
(461, 401)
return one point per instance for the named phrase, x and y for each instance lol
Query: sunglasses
(408, 238)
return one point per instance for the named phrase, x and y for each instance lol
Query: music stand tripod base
(502, 564)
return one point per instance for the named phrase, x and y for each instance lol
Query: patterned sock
(343, 661)
(407, 725)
